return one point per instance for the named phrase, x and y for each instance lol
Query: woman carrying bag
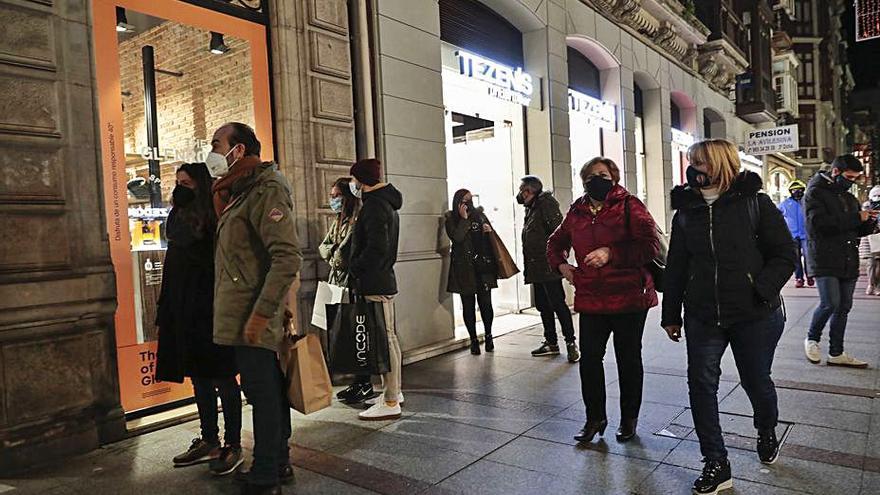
(729, 257)
(185, 320)
(335, 250)
(614, 239)
(473, 271)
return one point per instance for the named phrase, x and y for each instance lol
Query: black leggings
(469, 303)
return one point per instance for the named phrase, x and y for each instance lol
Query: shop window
(472, 26)
(583, 76)
(167, 78)
(676, 115)
(806, 74)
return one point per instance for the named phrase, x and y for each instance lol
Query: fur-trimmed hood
(746, 184)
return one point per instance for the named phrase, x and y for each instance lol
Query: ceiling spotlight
(122, 25)
(217, 45)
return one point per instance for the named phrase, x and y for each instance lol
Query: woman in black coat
(185, 320)
(729, 257)
(473, 272)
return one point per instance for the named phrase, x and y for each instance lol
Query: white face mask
(216, 163)
(355, 189)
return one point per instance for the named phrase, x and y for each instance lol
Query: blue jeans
(835, 301)
(753, 343)
(264, 388)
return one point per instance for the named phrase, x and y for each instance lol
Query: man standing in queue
(257, 260)
(542, 219)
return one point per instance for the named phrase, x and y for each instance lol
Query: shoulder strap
(754, 213)
(626, 212)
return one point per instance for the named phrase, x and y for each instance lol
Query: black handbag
(657, 266)
(358, 339)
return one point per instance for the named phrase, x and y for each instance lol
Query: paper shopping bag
(308, 381)
(327, 294)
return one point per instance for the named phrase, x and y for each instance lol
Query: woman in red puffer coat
(614, 238)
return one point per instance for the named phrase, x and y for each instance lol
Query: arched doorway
(714, 125)
(650, 180)
(594, 102)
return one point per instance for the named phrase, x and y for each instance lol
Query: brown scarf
(223, 186)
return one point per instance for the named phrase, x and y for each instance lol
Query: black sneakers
(200, 451)
(546, 350)
(715, 478)
(768, 446)
(285, 475)
(356, 393)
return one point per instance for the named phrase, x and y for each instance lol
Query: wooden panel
(329, 14)
(33, 241)
(330, 55)
(45, 376)
(30, 173)
(332, 100)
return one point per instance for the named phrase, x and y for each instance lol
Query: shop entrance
(169, 73)
(485, 153)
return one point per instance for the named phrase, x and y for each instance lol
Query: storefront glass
(681, 141)
(587, 117)
(169, 73)
(485, 152)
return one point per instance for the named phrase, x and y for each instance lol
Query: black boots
(768, 446)
(475, 346)
(490, 344)
(715, 478)
(590, 430)
(627, 430)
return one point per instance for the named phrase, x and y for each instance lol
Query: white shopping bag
(326, 294)
(874, 242)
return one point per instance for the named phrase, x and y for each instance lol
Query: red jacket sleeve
(559, 245)
(642, 245)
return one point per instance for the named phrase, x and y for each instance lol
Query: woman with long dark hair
(185, 320)
(729, 256)
(473, 272)
(335, 250)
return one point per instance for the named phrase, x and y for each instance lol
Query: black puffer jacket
(374, 243)
(727, 262)
(542, 219)
(833, 229)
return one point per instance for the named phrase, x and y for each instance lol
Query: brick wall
(212, 90)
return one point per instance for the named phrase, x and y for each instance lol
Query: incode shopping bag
(358, 339)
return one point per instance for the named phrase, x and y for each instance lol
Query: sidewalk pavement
(503, 423)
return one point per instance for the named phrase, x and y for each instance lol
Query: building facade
(102, 99)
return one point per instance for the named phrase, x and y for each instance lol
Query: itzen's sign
(597, 112)
(503, 82)
(774, 140)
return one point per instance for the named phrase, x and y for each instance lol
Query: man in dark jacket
(542, 219)
(834, 224)
(373, 255)
(256, 261)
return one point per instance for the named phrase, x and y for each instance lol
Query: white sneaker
(381, 412)
(811, 349)
(846, 360)
(381, 398)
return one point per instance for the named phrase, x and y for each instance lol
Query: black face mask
(875, 205)
(697, 179)
(797, 194)
(843, 184)
(520, 199)
(182, 196)
(598, 187)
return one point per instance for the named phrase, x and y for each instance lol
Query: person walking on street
(257, 260)
(873, 204)
(473, 271)
(729, 256)
(373, 255)
(614, 238)
(336, 251)
(542, 219)
(184, 317)
(834, 224)
(793, 211)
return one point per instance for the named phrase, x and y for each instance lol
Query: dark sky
(863, 56)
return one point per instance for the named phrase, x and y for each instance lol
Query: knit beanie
(367, 171)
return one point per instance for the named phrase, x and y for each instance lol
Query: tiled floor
(503, 423)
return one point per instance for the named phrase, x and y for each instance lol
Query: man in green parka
(257, 259)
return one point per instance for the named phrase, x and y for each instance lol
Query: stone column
(59, 392)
